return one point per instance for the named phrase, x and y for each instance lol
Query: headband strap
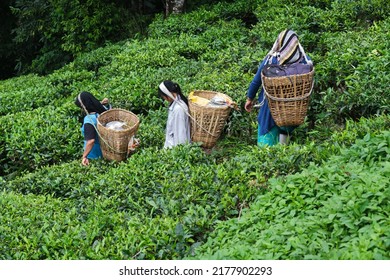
(166, 91)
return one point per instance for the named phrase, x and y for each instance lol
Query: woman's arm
(254, 87)
(89, 137)
(88, 147)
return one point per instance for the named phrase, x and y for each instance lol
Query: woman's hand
(105, 101)
(85, 161)
(88, 148)
(133, 144)
(248, 105)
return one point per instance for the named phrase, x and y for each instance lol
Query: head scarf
(90, 103)
(164, 89)
(286, 47)
(168, 87)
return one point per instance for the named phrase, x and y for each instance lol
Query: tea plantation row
(164, 204)
(316, 198)
(338, 210)
(214, 50)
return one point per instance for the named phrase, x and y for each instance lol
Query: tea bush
(39, 137)
(155, 196)
(40, 227)
(334, 211)
(25, 93)
(197, 60)
(163, 204)
(356, 76)
(184, 192)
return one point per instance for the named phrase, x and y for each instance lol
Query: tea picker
(113, 142)
(285, 79)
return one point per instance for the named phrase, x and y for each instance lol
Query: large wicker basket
(207, 123)
(115, 143)
(288, 97)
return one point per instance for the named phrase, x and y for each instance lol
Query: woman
(286, 50)
(178, 124)
(92, 108)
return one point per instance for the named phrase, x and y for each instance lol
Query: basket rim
(221, 108)
(284, 77)
(123, 110)
(298, 98)
(206, 90)
(209, 91)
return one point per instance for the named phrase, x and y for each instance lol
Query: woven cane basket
(207, 123)
(115, 143)
(288, 97)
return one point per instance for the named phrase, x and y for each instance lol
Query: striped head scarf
(286, 47)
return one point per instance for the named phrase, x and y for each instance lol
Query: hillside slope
(164, 204)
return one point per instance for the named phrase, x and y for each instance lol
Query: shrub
(334, 211)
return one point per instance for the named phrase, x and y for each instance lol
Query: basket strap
(262, 101)
(200, 125)
(169, 94)
(192, 118)
(304, 55)
(97, 131)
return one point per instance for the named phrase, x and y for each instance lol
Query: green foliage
(183, 195)
(156, 196)
(355, 74)
(37, 138)
(24, 93)
(356, 130)
(199, 21)
(41, 227)
(50, 34)
(319, 187)
(344, 15)
(152, 128)
(334, 211)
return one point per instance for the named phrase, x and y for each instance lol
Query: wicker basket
(288, 97)
(115, 143)
(207, 122)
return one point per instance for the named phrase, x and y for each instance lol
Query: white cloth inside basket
(116, 125)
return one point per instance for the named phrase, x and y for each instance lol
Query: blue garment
(264, 118)
(96, 151)
(272, 137)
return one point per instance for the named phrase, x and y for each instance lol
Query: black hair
(173, 87)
